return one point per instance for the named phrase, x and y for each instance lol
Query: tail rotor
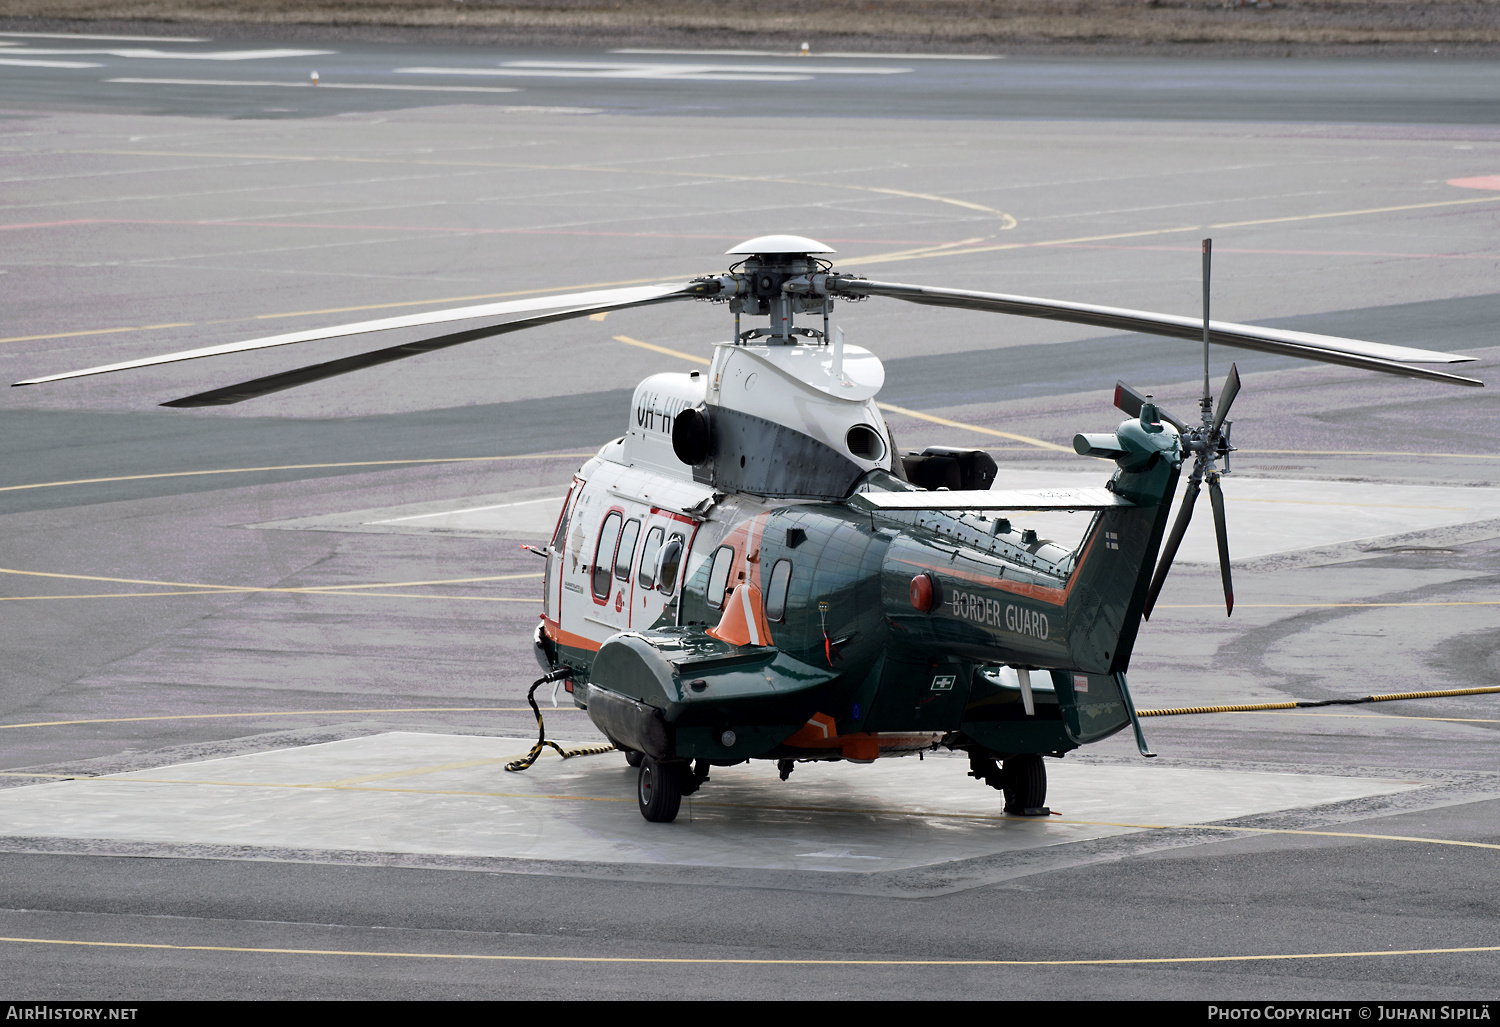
(1208, 443)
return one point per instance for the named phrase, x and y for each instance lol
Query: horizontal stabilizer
(994, 499)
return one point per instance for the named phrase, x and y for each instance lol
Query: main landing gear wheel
(659, 791)
(1025, 785)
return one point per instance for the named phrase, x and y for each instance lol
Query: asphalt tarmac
(160, 615)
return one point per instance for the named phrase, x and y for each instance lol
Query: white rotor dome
(779, 244)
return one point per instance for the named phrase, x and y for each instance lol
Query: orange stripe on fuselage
(555, 632)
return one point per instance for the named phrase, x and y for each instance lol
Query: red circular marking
(922, 593)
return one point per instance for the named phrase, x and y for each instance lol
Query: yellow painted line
(627, 340)
(913, 254)
(98, 331)
(413, 772)
(1007, 222)
(892, 408)
(740, 961)
(1319, 606)
(1366, 716)
(288, 713)
(312, 589)
(1361, 506)
(120, 595)
(453, 299)
(305, 592)
(1224, 224)
(65, 777)
(439, 581)
(1366, 452)
(1274, 830)
(298, 467)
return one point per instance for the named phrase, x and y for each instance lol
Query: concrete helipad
(449, 795)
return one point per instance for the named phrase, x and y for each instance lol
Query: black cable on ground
(1308, 703)
(541, 729)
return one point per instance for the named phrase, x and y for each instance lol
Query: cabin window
(718, 576)
(646, 576)
(626, 552)
(781, 577)
(604, 552)
(669, 561)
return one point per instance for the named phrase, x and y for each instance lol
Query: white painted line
(117, 39)
(22, 63)
(615, 75)
(307, 85)
(820, 55)
(465, 510)
(651, 69)
(145, 54)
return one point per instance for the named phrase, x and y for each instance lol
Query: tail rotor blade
(1226, 398)
(1131, 400)
(1128, 399)
(1216, 497)
(1169, 551)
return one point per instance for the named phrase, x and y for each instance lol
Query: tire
(634, 758)
(659, 791)
(1025, 783)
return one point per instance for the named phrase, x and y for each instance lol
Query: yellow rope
(1181, 710)
(1432, 695)
(542, 743)
(1253, 707)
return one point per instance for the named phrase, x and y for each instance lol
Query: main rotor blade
(1169, 551)
(1226, 398)
(1131, 401)
(1329, 349)
(332, 368)
(1216, 497)
(582, 302)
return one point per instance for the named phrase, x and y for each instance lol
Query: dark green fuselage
(852, 647)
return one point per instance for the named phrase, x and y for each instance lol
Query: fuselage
(818, 626)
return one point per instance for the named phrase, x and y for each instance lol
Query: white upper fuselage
(635, 495)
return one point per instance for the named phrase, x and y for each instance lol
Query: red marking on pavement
(435, 228)
(1285, 253)
(1482, 182)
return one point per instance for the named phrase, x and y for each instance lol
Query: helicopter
(754, 571)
